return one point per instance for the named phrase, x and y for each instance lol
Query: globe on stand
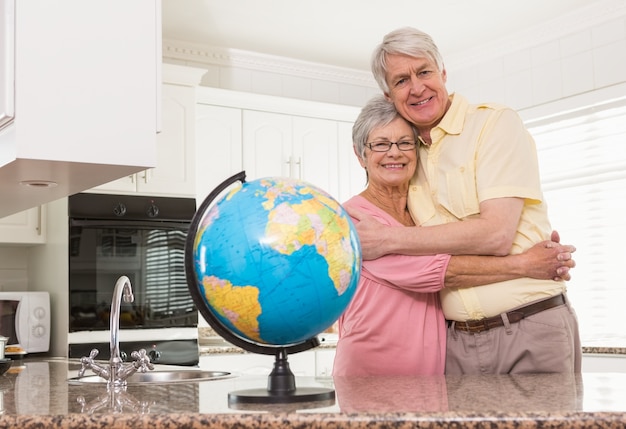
(270, 264)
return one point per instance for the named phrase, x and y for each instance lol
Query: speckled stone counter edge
(601, 420)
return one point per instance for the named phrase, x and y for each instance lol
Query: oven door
(150, 254)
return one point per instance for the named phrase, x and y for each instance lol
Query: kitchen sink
(158, 376)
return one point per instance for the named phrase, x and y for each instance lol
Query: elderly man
(476, 191)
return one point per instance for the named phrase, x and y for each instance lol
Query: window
(582, 157)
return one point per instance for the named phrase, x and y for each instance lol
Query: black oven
(142, 238)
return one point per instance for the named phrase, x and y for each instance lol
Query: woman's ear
(358, 155)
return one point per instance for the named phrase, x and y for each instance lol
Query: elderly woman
(395, 325)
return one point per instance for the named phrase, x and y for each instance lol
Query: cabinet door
(315, 153)
(124, 185)
(301, 364)
(218, 147)
(352, 179)
(267, 145)
(27, 227)
(175, 169)
(299, 147)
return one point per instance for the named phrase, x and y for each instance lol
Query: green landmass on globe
(276, 260)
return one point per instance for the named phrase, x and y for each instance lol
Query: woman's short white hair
(378, 112)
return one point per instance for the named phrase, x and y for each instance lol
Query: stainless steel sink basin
(176, 376)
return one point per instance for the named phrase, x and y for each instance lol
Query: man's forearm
(472, 237)
(547, 260)
(491, 233)
(469, 270)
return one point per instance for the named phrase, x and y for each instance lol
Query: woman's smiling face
(394, 167)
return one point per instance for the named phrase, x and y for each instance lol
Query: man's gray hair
(403, 41)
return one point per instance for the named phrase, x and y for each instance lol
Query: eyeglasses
(404, 145)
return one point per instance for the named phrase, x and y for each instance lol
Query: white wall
(13, 268)
(557, 64)
(579, 53)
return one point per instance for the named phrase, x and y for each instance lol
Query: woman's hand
(549, 259)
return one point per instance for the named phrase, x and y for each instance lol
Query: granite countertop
(35, 394)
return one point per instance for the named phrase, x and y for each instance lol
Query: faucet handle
(87, 362)
(142, 360)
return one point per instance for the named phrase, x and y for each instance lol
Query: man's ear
(387, 97)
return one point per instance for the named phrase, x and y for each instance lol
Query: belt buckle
(477, 326)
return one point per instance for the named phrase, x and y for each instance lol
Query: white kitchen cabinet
(174, 174)
(317, 362)
(273, 136)
(82, 98)
(218, 147)
(26, 227)
(301, 364)
(352, 178)
(276, 144)
(324, 361)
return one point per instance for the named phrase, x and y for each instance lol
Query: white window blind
(582, 157)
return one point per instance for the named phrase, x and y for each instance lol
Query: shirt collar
(454, 119)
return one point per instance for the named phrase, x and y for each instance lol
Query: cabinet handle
(291, 162)
(38, 228)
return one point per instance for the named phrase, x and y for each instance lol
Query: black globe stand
(281, 388)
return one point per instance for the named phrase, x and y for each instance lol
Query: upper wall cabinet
(218, 134)
(26, 227)
(174, 173)
(276, 144)
(272, 136)
(80, 95)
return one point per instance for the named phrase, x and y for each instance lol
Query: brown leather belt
(514, 316)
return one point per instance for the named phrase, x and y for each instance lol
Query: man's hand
(371, 234)
(549, 259)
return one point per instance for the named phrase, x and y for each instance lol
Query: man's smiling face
(417, 89)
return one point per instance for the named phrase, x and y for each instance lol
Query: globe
(271, 263)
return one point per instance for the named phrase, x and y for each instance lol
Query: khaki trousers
(546, 342)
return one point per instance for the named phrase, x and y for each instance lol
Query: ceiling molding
(578, 20)
(200, 54)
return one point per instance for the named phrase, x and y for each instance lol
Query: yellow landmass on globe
(239, 304)
(314, 222)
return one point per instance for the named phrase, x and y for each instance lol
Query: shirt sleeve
(413, 273)
(507, 162)
(424, 273)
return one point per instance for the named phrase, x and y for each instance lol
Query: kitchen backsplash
(13, 268)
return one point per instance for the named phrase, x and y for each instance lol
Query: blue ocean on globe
(277, 260)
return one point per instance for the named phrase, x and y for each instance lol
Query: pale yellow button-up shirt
(480, 152)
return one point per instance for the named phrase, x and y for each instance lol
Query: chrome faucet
(116, 373)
